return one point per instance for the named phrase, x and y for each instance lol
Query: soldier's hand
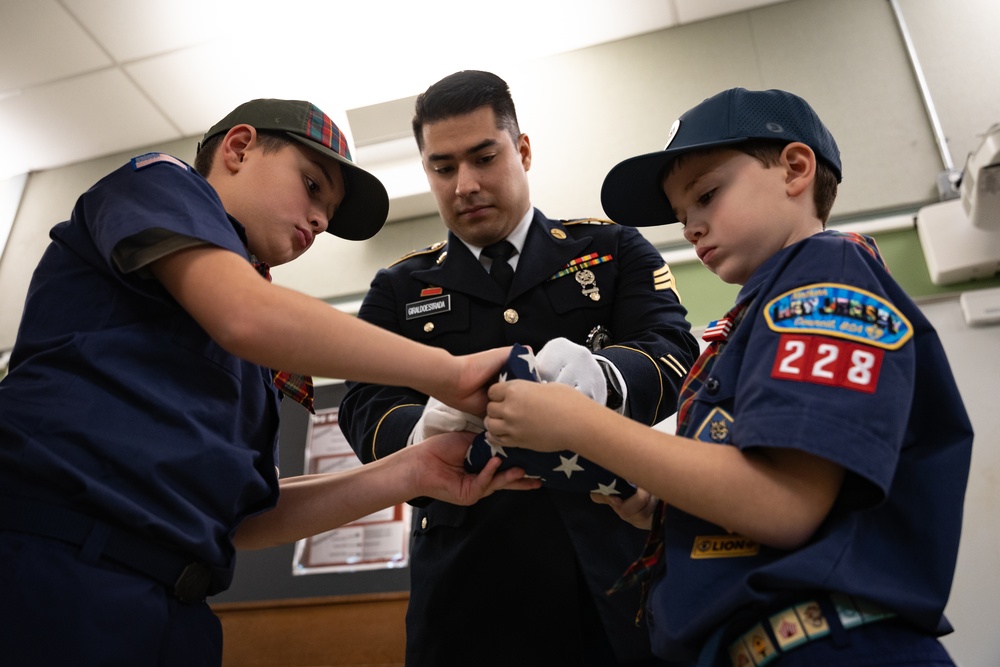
(438, 418)
(565, 362)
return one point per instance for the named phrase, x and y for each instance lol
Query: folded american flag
(565, 470)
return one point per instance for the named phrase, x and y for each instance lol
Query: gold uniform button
(423, 523)
(558, 233)
(429, 327)
(510, 316)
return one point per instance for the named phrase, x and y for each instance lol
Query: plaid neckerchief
(297, 387)
(641, 571)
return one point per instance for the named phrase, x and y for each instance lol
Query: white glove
(439, 418)
(565, 362)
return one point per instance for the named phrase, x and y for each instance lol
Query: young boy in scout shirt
(812, 497)
(139, 420)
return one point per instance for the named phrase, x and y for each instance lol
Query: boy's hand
(441, 473)
(543, 417)
(473, 373)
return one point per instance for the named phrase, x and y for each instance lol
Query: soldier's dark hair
(462, 93)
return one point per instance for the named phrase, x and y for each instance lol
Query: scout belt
(186, 579)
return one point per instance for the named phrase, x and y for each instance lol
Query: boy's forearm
(284, 329)
(689, 474)
(312, 504)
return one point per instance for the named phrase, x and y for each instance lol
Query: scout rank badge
(584, 276)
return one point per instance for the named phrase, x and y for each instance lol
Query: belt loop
(838, 635)
(713, 652)
(96, 540)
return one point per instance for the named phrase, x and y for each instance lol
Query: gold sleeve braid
(379, 425)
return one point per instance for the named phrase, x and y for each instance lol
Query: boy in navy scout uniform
(139, 419)
(518, 579)
(812, 499)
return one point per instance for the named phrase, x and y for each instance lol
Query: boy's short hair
(768, 153)
(633, 195)
(462, 93)
(366, 204)
(269, 142)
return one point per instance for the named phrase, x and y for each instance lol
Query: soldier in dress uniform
(519, 578)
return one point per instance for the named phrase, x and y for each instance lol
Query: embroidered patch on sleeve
(664, 279)
(828, 361)
(148, 159)
(841, 311)
(716, 427)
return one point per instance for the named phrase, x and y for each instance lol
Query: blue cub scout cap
(632, 193)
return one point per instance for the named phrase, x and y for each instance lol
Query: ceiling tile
(78, 119)
(196, 87)
(383, 122)
(134, 29)
(40, 42)
(188, 68)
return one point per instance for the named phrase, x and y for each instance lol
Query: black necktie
(500, 270)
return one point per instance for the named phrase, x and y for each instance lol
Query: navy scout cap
(632, 193)
(366, 204)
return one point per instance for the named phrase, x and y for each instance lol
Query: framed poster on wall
(377, 541)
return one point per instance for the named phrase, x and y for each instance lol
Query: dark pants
(57, 609)
(500, 584)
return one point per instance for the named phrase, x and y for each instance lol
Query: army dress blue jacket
(527, 541)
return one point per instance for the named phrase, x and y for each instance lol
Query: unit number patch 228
(829, 361)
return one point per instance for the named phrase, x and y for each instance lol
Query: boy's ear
(799, 162)
(234, 146)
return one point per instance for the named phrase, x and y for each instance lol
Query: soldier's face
(478, 175)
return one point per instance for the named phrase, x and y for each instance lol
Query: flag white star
(529, 359)
(495, 449)
(503, 377)
(607, 489)
(568, 465)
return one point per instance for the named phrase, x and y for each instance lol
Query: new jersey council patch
(841, 311)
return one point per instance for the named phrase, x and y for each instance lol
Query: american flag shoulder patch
(147, 159)
(717, 330)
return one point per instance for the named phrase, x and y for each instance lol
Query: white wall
(976, 640)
